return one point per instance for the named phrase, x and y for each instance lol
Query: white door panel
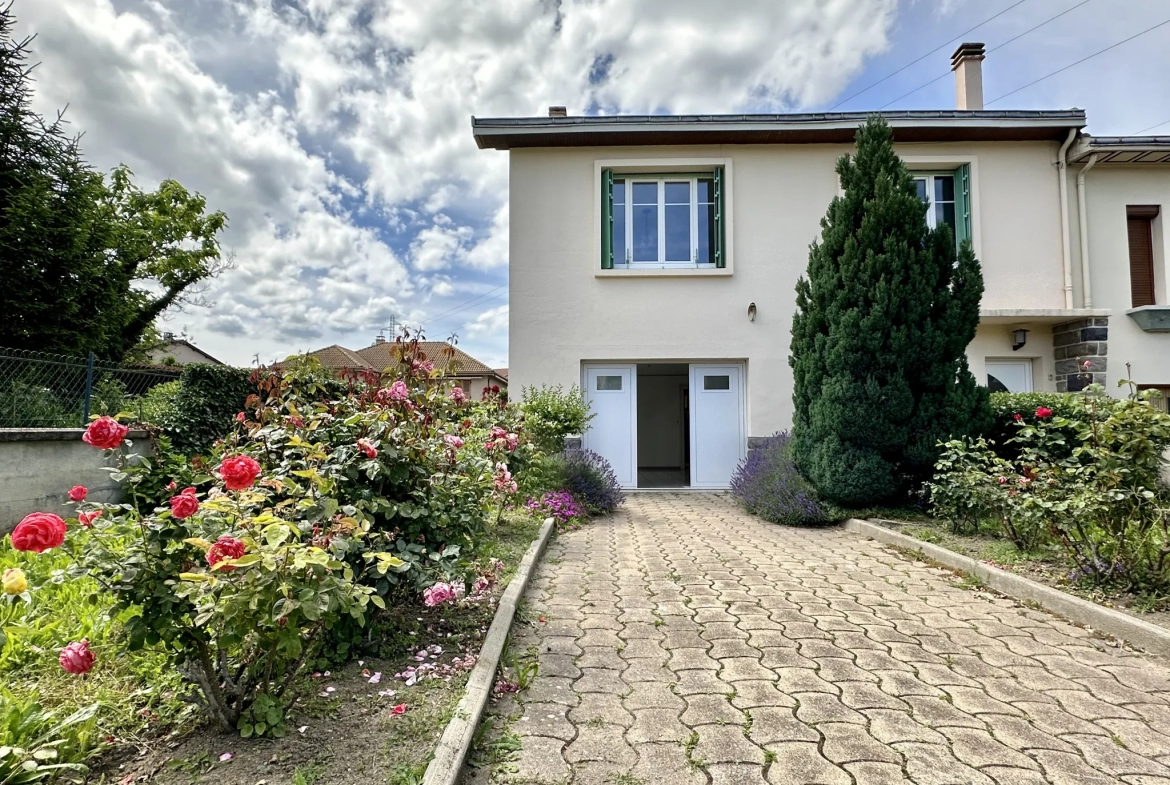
(1012, 375)
(718, 440)
(612, 394)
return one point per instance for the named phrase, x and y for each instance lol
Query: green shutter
(720, 245)
(606, 219)
(963, 203)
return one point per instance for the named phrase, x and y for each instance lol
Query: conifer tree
(883, 319)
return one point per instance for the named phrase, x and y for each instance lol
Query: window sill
(675, 272)
(1151, 318)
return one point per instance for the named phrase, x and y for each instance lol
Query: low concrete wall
(38, 466)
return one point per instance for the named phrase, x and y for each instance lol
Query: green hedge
(1006, 405)
(211, 395)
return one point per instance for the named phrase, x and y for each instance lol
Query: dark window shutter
(720, 244)
(606, 219)
(1141, 254)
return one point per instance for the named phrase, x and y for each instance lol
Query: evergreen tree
(882, 323)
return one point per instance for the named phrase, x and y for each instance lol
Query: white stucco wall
(563, 312)
(1109, 189)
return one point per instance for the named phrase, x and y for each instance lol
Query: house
(179, 351)
(461, 368)
(653, 260)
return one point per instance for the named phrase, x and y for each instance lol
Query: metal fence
(40, 390)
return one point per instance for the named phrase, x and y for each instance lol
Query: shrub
(158, 403)
(768, 484)
(543, 473)
(590, 478)
(1099, 493)
(1006, 405)
(209, 397)
(551, 414)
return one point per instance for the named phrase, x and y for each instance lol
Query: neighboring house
(462, 369)
(653, 260)
(178, 351)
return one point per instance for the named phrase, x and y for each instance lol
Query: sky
(336, 134)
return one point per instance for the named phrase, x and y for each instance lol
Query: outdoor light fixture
(751, 312)
(1019, 338)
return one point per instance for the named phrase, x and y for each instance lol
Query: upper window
(948, 197)
(662, 220)
(1140, 228)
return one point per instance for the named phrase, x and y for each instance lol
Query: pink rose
(367, 447)
(78, 493)
(105, 433)
(481, 585)
(225, 548)
(398, 391)
(1017, 417)
(185, 504)
(241, 417)
(398, 710)
(239, 472)
(458, 396)
(426, 366)
(86, 519)
(438, 594)
(498, 432)
(453, 441)
(1043, 412)
(511, 441)
(76, 658)
(38, 532)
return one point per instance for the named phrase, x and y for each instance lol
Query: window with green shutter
(948, 193)
(662, 220)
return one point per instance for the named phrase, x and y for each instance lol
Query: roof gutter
(1062, 180)
(1083, 225)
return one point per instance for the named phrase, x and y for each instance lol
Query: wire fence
(41, 390)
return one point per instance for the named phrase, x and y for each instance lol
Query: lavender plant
(590, 478)
(768, 484)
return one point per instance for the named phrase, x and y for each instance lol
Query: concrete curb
(447, 765)
(1140, 633)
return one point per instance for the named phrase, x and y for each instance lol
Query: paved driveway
(687, 642)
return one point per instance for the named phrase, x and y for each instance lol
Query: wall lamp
(751, 312)
(1019, 338)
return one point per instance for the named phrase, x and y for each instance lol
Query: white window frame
(629, 180)
(929, 177)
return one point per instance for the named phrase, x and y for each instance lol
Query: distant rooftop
(1123, 149)
(506, 133)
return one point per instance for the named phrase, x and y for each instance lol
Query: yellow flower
(14, 581)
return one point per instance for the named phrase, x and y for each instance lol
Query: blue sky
(336, 133)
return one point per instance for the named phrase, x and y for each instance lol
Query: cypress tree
(883, 319)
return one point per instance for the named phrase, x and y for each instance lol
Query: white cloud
(491, 322)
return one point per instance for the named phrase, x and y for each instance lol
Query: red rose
(1017, 417)
(76, 658)
(367, 448)
(38, 532)
(1043, 412)
(105, 433)
(185, 504)
(239, 472)
(86, 519)
(224, 548)
(78, 492)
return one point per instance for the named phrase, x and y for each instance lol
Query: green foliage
(209, 398)
(544, 473)
(37, 746)
(1090, 481)
(883, 320)
(1005, 406)
(87, 263)
(551, 413)
(158, 403)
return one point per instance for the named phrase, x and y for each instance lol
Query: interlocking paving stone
(809, 656)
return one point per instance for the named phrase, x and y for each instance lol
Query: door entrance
(717, 424)
(1009, 375)
(611, 393)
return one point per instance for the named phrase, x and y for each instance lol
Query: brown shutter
(1141, 253)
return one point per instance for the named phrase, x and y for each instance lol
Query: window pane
(609, 383)
(945, 214)
(619, 192)
(619, 222)
(706, 191)
(645, 193)
(678, 233)
(645, 232)
(716, 382)
(920, 183)
(706, 238)
(944, 189)
(678, 193)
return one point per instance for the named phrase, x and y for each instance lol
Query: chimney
(379, 339)
(558, 111)
(967, 63)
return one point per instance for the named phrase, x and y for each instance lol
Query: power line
(1151, 128)
(485, 302)
(467, 304)
(992, 49)
(1078, 62)
(928, 54)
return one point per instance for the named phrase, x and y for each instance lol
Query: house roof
(163, 348)
(506, 133)
(340, 358)
(502, 372)
(380, 356)
(1123, 149)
